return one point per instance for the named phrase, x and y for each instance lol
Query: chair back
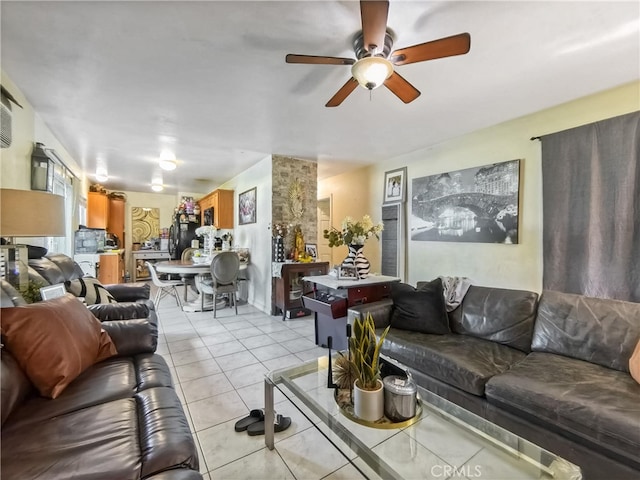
(154, 275)
(225, 267)
(187, 253)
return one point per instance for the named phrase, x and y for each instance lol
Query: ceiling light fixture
(157, 187)
(371, 72)
(101, 174)
(167, 160)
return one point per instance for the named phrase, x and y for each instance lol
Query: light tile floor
(218, 367)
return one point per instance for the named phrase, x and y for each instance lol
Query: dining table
(187, 269)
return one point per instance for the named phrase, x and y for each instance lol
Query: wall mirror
(145, 224)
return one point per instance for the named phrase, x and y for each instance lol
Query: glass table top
(446, 442)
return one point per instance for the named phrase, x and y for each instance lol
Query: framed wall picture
(311, 249)
(478, 204)
(395, 186)
(247, 207)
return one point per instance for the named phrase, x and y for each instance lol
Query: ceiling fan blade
(343, 93)
(316, 60)
(444, 47)
(374, 24)
(401, 88)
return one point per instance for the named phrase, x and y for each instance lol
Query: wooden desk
(331, 298)
(142, 256)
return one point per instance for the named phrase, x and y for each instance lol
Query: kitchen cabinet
(97, 210)
(289, 287)
(222, 203)
(111, 268)
(115, 221)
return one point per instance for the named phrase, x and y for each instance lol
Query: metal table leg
(269, 414)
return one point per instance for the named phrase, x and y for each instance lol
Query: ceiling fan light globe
(371, 72)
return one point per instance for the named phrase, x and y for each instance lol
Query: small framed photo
(311, 249)
(52, 291)
(395, 186)
(347, 272)
(247, 207)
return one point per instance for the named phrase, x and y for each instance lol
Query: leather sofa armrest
(129, 292)
(380, 311)
(134, 336)
(119, 311)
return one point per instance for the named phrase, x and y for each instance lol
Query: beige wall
(256, 236)
(509, 266)
(27, 128)
(15, 163)
(351, 195)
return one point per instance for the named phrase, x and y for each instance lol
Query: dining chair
(187, 253)
(224, 279)
(164, 287)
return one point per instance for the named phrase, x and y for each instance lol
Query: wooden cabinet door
(115, 223)
(224, 212)
(97, 210)
(110, 269)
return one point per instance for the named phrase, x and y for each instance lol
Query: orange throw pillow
(54, 341)
(634, 363)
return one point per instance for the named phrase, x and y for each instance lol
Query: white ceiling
(118, 81)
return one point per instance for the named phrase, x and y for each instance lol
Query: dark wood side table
(289, 287)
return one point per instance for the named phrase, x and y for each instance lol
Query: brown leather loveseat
(119, 419)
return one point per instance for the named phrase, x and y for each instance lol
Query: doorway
(325, 253)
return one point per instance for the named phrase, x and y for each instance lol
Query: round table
(187, 269)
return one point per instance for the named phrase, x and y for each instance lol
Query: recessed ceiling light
(167, 160)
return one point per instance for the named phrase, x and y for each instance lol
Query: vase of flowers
(279, 232)
(354, 235)
(209, 233)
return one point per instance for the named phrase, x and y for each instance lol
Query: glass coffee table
(444, 442)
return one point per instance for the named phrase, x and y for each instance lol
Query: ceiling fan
(375, 61)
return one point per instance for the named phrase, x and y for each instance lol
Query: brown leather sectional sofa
(120, 419)
(553, 370)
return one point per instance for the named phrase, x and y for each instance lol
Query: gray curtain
(591, 208)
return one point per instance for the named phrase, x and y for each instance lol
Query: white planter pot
(368, 404)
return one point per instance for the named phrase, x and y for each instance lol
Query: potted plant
(364, 354)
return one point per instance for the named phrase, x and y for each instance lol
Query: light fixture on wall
(167, 160)
(371, 72)
(42, 166)
(26, 213)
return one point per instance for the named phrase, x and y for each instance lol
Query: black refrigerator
(181, 232)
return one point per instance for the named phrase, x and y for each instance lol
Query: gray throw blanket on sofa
(454, 290)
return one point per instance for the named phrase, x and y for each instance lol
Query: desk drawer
(335, 309)
(138, 255)
(368, 294)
